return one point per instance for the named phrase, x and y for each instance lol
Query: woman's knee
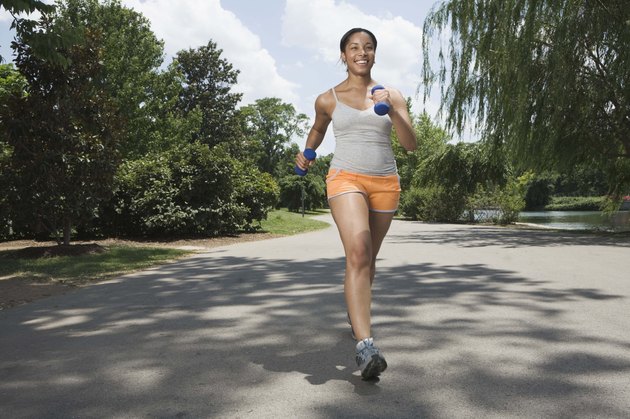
(359, 256)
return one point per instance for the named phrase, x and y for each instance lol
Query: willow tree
(545, 80)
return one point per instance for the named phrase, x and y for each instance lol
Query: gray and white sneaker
(369, 359)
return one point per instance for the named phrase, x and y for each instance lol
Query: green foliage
(448, 175)
(538, 193)
(431, 140)
(314, 182)
(448, 182)
(294, 189)
(131, 56)
(576, 203)
(269, 127)
(433, 203)
(581, 180)
(545, 79)
(257, 192)
(63, 136)
(45, 42)
(189, 190)
(12, 84)
(207, 83)
(498, 204)
(113, 87)
(186, 169)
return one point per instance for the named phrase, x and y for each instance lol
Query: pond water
(578, 220)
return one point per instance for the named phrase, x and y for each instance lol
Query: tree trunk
(67, 230)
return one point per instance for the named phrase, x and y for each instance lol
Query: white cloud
(5, 16)
(185, 24)
(318, 25)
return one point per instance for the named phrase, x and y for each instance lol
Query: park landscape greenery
(98, 138)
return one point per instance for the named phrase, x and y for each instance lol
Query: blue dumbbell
(381, 108)
(310, 155)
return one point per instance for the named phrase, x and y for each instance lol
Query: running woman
(362, 184)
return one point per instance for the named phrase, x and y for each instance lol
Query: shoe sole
(374, 368)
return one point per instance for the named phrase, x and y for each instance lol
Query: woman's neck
(357, 82)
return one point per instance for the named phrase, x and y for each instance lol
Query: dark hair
(346, 37)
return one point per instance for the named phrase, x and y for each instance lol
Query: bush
(498, 205)
(257, 193)
(576, 203)
(192, 190)
(433, 203)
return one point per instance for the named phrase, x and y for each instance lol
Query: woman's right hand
(302, 162)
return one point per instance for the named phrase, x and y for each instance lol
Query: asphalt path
(475, 322)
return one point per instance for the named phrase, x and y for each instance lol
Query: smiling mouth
(361, 62)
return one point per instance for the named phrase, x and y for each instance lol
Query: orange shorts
(382, 192)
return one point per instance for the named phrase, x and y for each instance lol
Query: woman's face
(359, 53)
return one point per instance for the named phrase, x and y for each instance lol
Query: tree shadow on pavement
(508, 237)
(219, 335)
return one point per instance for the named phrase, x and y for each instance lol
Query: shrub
(257, 193)
(189, 190)
(498, 205)
(576, 203)
(434, 203)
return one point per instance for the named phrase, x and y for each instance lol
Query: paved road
(475, 322)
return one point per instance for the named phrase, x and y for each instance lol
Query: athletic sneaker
(369, 359)
(351, 328)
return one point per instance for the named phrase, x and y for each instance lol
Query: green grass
(575, 203)
(284, 222)
(120, 259)
(115, 261)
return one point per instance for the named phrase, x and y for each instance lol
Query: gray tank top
(362, 141)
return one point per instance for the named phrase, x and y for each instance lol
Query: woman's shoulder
(326, 96)
(325, 102)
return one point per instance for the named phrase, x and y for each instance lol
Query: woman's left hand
(382, 95)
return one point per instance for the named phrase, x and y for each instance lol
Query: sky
(289, 49)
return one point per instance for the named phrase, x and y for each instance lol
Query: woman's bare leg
(362, 233)
(379, 225)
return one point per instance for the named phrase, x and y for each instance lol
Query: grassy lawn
(287, 223)
(113, 260)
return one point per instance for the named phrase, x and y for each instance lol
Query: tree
(311, 187)
(63, 137)
(131, 56)
(431, 140)
(546, 79)
(207, 84)
(440, 178)
(44, 44)
(269, 127)
(11, 84)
